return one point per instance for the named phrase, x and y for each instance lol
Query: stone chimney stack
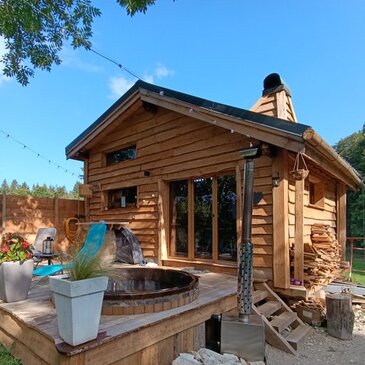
(275, 100)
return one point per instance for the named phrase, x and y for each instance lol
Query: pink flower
(5, 249)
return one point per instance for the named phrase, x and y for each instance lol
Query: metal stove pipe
(246, 249)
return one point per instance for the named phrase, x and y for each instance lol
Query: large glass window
(126, 153)
(203, 218)
(227, 227)
(179, 218)
(203, 214)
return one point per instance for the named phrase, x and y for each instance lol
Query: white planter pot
(78, 307)
(15, 280)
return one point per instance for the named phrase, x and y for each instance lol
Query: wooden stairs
(283, 329)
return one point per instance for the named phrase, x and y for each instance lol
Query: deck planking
(122, 339)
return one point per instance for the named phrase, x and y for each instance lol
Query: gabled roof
(283, 133)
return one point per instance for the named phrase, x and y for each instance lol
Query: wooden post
(351, 257)
(3, 216)
(163, 223)
(340, 317)
(341, 218)
(299, 227)
(281, 262)
(56, 213)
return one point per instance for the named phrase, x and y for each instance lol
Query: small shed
(169, 164)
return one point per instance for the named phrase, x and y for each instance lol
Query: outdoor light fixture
(276, 180)
(48, 245)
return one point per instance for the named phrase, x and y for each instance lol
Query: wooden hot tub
(145, 290)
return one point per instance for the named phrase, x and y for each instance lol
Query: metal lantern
(48, 245)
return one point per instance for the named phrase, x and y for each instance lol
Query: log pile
(321, 257)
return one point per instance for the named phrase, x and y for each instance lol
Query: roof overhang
(323, 154)
(294, 137)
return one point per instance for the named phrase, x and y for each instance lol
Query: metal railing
(355, 245)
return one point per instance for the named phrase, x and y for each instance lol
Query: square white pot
(78, 307)
(15, 280)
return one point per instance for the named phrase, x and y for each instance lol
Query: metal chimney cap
(274, 83)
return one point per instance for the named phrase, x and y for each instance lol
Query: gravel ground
(321, 349)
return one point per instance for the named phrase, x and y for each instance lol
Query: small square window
(122, 198)
(127, 153)
(316, 193)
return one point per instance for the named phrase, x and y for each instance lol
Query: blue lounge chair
(93, 242)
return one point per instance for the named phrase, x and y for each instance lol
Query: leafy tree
(35, 31)
(352, 148)
(37, 190)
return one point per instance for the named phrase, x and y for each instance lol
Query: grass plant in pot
(16, 266)
(78, 296)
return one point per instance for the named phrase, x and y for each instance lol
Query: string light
(8, 136)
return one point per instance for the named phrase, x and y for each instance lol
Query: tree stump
(340, 317)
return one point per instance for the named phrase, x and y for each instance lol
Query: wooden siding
(172, 146)
(311, 214)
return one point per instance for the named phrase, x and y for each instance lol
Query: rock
(231, 357)
(186, 359)
(209, 357)
(243, 362)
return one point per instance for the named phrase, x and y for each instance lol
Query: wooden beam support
(191, 229)
(281, 262)
(3, 214)
(163, 222)
(341, 217)
(299, 226)
(215, 254)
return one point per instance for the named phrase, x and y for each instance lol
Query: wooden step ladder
(283, 329)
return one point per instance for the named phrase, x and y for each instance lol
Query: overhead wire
(118, 64)
(39, 155)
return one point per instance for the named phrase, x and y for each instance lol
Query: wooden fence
(356, 255)
(25, 214)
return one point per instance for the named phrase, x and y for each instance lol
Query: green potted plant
(78, 296)
(16, 266)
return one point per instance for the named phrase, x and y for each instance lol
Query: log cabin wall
(318, 206)
(169, 147)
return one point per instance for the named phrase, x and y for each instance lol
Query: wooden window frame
(105, 204)
(191, 229)
(316, 193)
(114, 150)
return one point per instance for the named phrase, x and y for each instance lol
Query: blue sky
(216, 49)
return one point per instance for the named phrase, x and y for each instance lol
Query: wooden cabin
(169, 164)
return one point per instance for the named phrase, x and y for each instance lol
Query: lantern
(48, 245)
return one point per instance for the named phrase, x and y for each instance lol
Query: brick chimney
(275, 100)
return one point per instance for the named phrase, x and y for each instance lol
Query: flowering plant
(14, 248)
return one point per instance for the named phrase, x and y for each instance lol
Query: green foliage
(6, 358)
(36, 30)
(14, 248)
(352, 148)
(85, 267)
(135, 6)
(39, 191)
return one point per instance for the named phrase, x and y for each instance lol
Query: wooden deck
(29, 329)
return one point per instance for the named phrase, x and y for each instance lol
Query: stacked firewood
(321, 257)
